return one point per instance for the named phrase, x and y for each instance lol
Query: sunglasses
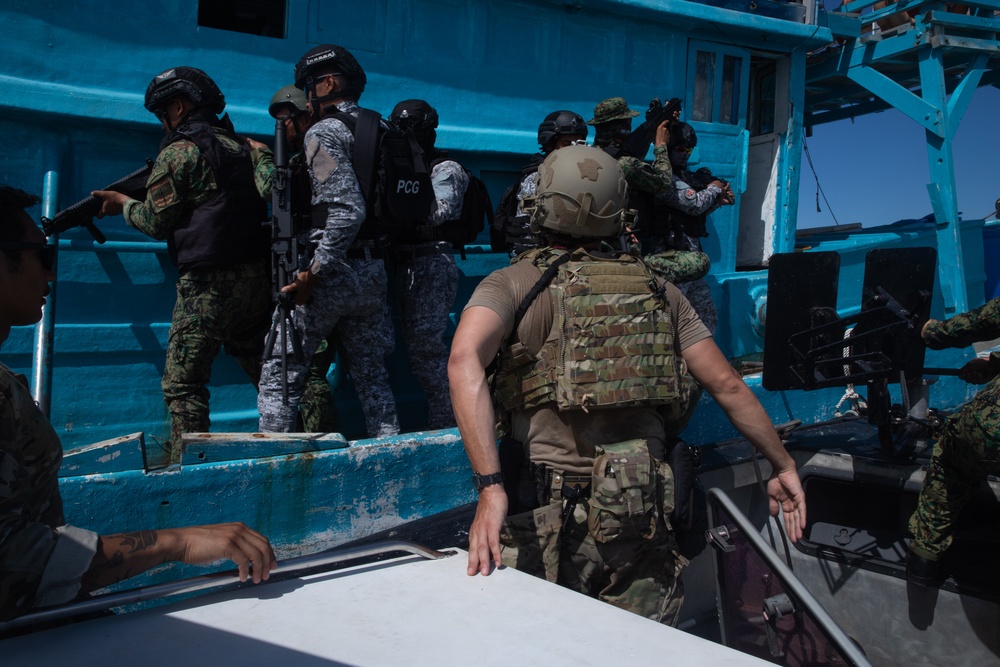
(46, 252)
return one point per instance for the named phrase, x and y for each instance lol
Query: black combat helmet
(188, 81)
(682, 136)
(414, 115)
(560, 123)
(330, 59)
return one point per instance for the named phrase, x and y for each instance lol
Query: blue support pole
(41, 370)
(951, 273)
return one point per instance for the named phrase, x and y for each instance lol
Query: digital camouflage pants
(426, 287)
(968, 451)
(214, 308)
(350, 302)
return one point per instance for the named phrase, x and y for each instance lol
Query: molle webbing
(612, 343)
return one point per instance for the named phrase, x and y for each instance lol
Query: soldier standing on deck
(591, 403)
(693, 196)
(344, 288)
(205, 197)
(969, 448)
(511, 229)
(43, 560)
(612, 123)
(427, 276)
(316, 409)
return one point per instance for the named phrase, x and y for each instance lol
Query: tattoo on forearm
(136, 541)
(103, 568)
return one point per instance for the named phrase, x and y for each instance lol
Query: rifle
(284, 259)
(637, 143)
(699, 180)
(82, 213)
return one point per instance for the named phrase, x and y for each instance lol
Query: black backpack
(477, 210)
(395, 179)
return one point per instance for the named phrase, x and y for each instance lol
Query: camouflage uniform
(686, 199)
(969, 448)
(511, 225)
(426, 285)
(640, 576)
(349, 296)
(640, 175)
(678, 266)
(228, 305)
(643, 177)
(319, 414)
(41, 558)
(561, 541)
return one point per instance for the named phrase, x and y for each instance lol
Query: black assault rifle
(701, 179)
(284, 259)
(82, 213)
(637, 143)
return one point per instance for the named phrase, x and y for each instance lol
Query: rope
(857, 401)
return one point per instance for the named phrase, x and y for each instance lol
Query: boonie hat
(614, 108)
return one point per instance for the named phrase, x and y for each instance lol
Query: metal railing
(292, 566)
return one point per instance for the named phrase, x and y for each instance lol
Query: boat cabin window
(254, 17)
(718, 86)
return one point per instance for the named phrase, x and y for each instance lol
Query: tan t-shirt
(566, 440)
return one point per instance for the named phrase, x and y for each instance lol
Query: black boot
(921, 571)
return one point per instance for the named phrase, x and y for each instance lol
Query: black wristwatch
(480, 482)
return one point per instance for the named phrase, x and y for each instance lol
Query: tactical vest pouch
(624, 497)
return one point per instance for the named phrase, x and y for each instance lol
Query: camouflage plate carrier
(613, 342)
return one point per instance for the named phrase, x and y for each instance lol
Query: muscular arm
(125, 555)
(709, 367)
(476, 342)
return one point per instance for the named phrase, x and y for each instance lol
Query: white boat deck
(406, 611)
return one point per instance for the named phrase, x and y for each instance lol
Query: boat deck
(405, 611)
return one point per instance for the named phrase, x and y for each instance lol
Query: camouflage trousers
(968, 451)
(640, 576)
(216, 307)
(679, 266)
(349, 301)
(426, 286)
(319, 415)
(696, 289)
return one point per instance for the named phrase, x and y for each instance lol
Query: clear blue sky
(874, 170)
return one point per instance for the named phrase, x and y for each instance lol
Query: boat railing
(290, 567)
(733, 535)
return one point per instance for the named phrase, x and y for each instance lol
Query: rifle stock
(83, 212)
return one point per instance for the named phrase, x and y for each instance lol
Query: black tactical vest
(228, 229)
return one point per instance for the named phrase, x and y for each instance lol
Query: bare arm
(476, 342)
(127, 554)
(709, 367)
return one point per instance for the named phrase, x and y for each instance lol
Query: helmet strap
(584, 212)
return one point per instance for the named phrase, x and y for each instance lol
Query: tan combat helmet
(581, 192)
(288, 100)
